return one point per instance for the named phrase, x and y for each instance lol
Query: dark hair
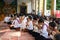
(37, 16)
(21, 14)
(52, 24)
(57, 37)
(30, 17)
(34, 17)
(45, 18)
(11, 15)
(15, 14)
(41, 20)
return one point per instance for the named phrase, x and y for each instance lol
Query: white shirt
(30, 25)
(25, 19)
(17, 18)
(7, 19)
(15, 23)
(46, 22)
(44, 31)
(35, 29)
(23, 24)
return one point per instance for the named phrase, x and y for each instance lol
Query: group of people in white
(41, 28)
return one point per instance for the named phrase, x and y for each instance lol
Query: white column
(41, 6)
(54, 7)
(18, 6)
(29, 9)
(45, 8)
(36, 7)
(33, 4)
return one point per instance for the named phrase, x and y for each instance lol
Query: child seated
(15, 24)
(30, 24)
(35, 22)
(23, 21)
(7, 19)
(53, 29)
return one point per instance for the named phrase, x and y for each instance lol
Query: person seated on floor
(42, 29)
(35, 22)
(52, 30)
(30, 24)
(35, 33)
(7, 19)
(42, 33)
(23, 21)
(56, 37)
(15, 24)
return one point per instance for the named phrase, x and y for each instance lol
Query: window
(48, 4)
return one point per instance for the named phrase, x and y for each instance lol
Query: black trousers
(8, 22)
(34, 34)
(30, 32)
(37, 36)
(40, 37)
(17, 29)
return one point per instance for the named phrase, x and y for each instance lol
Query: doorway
(23, 9)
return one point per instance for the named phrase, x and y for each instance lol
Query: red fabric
(57, 14)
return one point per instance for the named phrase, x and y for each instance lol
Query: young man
(15, 24)
(42, 30)
(30, 24)
(23, 20)
(35, 22)
(35, 31)
(53, 29)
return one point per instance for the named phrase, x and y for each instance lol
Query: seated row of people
(40, 28)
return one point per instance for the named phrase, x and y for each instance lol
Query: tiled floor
(6, 34)
(24, 36)
(3, 26)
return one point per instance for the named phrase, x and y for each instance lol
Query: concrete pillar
(45, 7)
(54, 7)
(42, 7)
(33, 4)
(36, 7)
(18, 6)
